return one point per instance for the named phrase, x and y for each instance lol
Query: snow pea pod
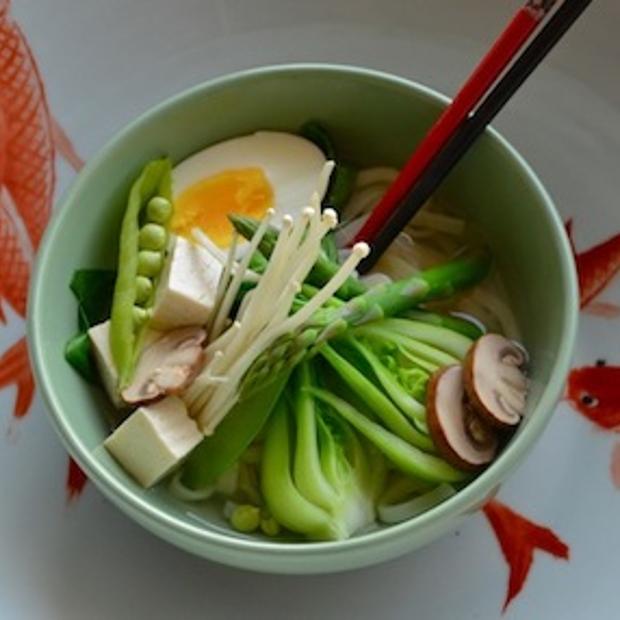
(218, 452)
(125, 332)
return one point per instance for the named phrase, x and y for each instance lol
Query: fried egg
(247, 176)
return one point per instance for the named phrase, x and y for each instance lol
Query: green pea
(140, 315)
(149, 263)
(144, 290)
(270, 526)
(158, 210)
(245, 518)
(152, 237)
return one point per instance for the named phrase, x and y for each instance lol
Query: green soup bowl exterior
(375, 119)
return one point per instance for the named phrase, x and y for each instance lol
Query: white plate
(103, 63)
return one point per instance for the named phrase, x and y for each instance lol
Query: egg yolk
(207, 203)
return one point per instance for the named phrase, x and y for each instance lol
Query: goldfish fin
(518, 539)
(65, 147)
(76, 480)
(15, 370)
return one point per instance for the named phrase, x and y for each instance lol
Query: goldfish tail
(15, 370)
(65, 147)
(76, 480)
(518, 539)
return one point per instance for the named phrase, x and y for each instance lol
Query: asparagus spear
(379, 302)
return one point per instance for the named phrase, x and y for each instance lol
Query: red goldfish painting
(29, 139)
(518, 539)
(596, 267)
(594, 391)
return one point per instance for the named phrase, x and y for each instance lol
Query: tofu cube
(100, 340)
(186, 292)
(154, 439)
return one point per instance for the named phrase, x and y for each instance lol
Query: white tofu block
(100, 340)
(154, 439)
(186, 292)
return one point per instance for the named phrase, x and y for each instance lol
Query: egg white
(291, 164)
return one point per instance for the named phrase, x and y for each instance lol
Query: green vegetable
(270, 526)
(341, 186)
(323, 269)
(425, 355)
(285, 501)
(329, 247)
(140, 316)
(318, 478)
(93, 288)
(307, 463)
(316, 133)
(400, 487)
(451, 342)
(403, 455)
(389, 381)
(396, 513)
(150, 263)
(258, 262)
(449, 321)
(245, 518)
(218, 452)
(125, 335)
(144, 289)
(78, 354)
(342, 181)
(159, 210)
(247, 483)
(375, 400)
(152, 237)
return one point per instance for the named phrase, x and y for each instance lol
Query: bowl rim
(236, 550)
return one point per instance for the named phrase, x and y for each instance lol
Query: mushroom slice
(167, 365)
(495, 382)
(462, 438)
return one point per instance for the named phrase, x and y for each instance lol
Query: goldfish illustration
(596, 267)
(518, 539)
(594, 391)
(29, 140)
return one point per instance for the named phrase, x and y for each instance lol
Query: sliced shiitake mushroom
(495, 381)
(461, 436)
(167, 365)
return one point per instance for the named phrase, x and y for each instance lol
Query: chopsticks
(510, 41)
(443, 157)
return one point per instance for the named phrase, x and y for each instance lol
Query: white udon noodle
(435, 235)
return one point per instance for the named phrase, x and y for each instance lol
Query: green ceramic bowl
(377, 119)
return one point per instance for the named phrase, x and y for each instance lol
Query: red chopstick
(505, 48)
